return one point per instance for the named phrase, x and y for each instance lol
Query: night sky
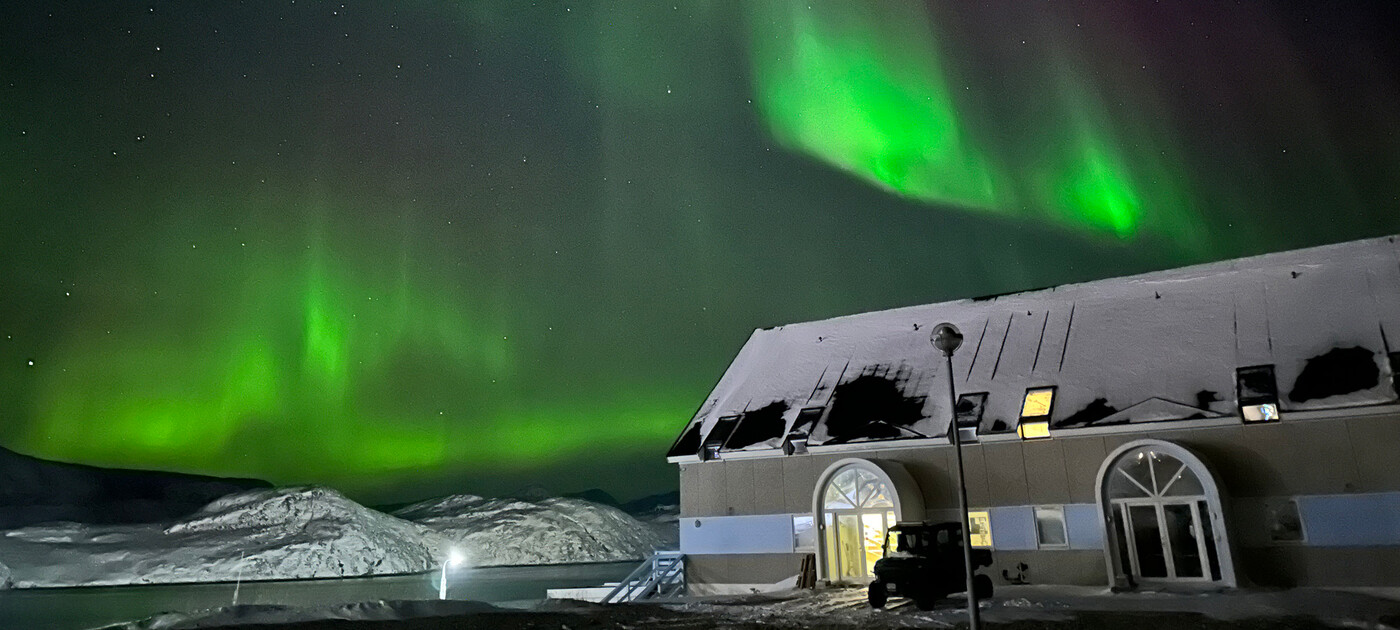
(415, 248)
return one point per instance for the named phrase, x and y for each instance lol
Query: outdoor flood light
(454, 558)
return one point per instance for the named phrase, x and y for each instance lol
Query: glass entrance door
(859, 537)
(1161, 520)
(850, 557)
(858, 512)
(1164, 540)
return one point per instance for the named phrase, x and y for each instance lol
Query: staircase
(661, 577)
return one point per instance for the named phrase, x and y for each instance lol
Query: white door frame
(1119, 568)
(908, 501)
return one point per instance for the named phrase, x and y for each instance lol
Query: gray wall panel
(702, 569)
(1358, 566)
(712, 489)
(975, 465)
(799, 482)
(764, 568)
(935, 472)
(1321, 459)
(1006, 474)
(690, 489)
(738, 487)
(768, 487)
(1084, 568)
(1083, 456)
(1272, 566)
(1375, 441)
(1046, 477)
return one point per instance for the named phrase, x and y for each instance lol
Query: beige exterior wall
(756, 569)
(1294, 457)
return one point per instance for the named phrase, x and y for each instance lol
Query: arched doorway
(855, 503)
(1162, 518)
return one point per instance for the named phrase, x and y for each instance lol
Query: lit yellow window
(1037, 402)
(1033, 430)
(980, 524)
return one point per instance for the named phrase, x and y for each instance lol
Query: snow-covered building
(1227, 424)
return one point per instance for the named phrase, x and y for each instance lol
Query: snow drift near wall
(555, 530)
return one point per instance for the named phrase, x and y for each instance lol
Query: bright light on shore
(454, 558)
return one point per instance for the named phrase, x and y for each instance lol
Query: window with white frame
(1050, 531)
(1283, 522)
(804, 536)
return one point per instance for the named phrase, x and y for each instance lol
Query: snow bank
(545, 531)
(5, 576)
(256, 535)
(270, 615)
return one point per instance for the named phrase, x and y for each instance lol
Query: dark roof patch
(1096, 410)
(758, 425)
(1336, 372)
(872, 407)
(689, 442)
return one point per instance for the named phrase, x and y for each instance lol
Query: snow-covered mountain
(312, 532)
(534, 531)
(256, 535)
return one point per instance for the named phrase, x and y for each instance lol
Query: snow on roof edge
(1265, 309)
(1174, 273)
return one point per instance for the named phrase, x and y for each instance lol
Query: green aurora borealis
(865, 87)
(417, 248)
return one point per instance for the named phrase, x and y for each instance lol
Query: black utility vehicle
(926, 565)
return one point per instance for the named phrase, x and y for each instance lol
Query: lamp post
(946, 338)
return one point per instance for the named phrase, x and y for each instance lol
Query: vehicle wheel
(982, 586)
(926, 601)
(877, 595)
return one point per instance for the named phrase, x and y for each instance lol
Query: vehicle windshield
(903, 542)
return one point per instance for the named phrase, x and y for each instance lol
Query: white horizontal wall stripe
(764, 533)
(1351, 520)
(1335, 520)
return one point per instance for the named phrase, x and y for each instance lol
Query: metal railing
(662, 576)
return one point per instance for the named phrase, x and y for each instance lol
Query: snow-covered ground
(492, 532)
(1020, 607)
(312, 532)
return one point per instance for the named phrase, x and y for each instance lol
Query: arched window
(857, 509)
(857, 488)
(1148, 473)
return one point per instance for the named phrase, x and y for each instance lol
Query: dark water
(98, 606)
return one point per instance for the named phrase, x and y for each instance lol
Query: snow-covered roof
(1151, 347)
